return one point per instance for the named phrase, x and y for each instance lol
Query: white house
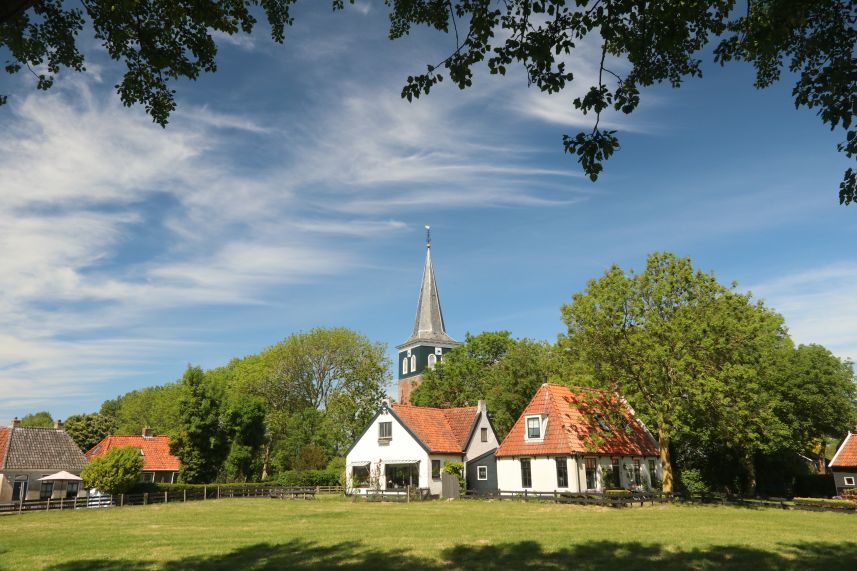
(407, 445)
(577, 441)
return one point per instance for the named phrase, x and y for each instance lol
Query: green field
(333, 533)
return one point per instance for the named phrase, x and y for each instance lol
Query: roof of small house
(576, 424)
(442, 430)
(846, 454)
(29, 448)
(155, 449)
(5, 433)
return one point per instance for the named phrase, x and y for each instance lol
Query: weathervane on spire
(428, 236)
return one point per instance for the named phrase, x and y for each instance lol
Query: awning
(359, 464)
(61, 477)
(400, 462)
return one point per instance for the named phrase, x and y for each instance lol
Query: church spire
(428, 324)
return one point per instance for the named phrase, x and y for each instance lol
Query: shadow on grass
(525, 555)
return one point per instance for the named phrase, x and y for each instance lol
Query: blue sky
(291, 188)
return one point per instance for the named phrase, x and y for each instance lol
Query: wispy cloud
(818, 304)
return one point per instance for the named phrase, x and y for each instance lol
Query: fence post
(218, 492)
(121, 500)
(205, 492)
(165, 497)
(525, 495)
(48, 505)
(184, 495)
(145, 498)
(20, 504)
(61, 503)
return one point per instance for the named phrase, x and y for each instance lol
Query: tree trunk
(750, 467)
(666, 462)
(265, 461)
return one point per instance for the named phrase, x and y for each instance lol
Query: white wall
(543, 470)
(544, 473)
(476, 447)
(401, 447)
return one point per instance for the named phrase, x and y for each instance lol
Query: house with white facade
(407, 445)
(577, 440)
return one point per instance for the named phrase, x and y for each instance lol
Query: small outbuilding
(843, 466)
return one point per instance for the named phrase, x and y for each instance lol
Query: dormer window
(602, 423)
(534, 427)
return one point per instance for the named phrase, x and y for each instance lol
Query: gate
(449, 486)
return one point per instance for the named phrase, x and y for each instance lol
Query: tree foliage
(639, 43)
(200, 442)
(87, 430)
(41, 419)
(115, 471)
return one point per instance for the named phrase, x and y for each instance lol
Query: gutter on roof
(832, 460)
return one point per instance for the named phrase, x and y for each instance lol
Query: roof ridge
(434, 407)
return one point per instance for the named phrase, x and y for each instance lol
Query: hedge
(310, 478)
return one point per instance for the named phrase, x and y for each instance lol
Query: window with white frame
(385, 430)
(413, 363)
(432, 361)
(405, 366)
(482, 472)
(534, 427)
(526, 473)
(848, 480)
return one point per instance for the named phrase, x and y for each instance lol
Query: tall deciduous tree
(639, 43)
(41, 419)
(87, 430)
(200, 441)
(688, 353)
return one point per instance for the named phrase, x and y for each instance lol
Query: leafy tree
(311, 457)
(115, 471)
(41, 419)
(162, 41)
(155, 407)
(245, 424)
(87, 430)
(200, 442)
(692, 356)
(493, 366)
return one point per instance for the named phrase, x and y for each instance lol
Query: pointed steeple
(428, 324)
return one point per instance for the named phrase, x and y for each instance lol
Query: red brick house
(159, 465)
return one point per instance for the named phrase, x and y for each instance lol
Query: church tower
(428, 341)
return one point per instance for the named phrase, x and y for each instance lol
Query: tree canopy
(42, 419)
(115, 471)
(640, 43)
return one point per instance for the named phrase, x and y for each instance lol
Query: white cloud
(818, 304)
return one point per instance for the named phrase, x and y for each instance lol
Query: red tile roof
(442, 430)
(572, 426)
(5, 432)
(156, 450)
(846, 455)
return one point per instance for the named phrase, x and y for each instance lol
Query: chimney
(480, 406)
(58, 424)
(16, 422)
(148, 433)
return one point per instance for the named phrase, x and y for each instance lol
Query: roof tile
(156, 450)
(846, 455)
(572, 426)
(440, 429)
(42, 449)
(5, 432)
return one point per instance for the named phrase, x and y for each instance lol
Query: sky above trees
(291, 187)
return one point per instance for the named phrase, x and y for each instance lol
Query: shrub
(307, 478)
(815, 486)
(850, 495)
(690, 480)
(115, 472)
(825, 502)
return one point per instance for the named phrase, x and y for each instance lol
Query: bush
(825, 502)
(307, 478)
(690, 480)
(115, 472)
(850, 495)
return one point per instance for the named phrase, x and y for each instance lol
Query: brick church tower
(428, 341)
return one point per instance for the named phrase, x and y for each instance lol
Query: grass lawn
(333, 532)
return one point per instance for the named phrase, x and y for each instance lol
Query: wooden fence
(187, 495)
(584, 499)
